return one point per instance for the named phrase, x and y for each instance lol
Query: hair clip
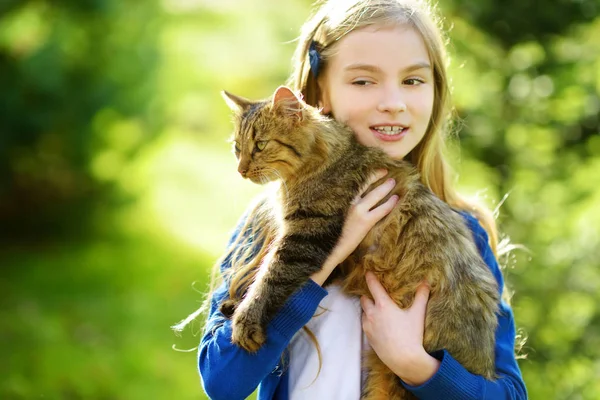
(314, 57)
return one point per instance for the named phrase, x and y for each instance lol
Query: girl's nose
(392, 102)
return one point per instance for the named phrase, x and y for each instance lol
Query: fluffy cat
(322, 168)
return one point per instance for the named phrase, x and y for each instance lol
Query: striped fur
(322, 168)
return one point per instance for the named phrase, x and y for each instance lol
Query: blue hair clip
(314, 58)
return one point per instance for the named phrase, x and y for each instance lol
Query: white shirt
(337, 326)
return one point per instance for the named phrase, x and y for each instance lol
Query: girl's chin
(394, 150)
(395, 154)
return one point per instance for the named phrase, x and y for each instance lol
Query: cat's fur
(323, 168)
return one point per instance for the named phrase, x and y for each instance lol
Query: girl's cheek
(423, 102)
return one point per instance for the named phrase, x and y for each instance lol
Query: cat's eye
(260, 145)
(236, 148)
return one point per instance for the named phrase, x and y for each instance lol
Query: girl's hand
(396, 335)
(359, 222)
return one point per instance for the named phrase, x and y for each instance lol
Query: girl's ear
(237, 104)
(324, 103)
(325, 107)
(285, 100)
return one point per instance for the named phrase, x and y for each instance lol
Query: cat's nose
(243, 167)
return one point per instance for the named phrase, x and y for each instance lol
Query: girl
(377, 66)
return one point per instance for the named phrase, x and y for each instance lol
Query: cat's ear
(287, 101)
(237, 104)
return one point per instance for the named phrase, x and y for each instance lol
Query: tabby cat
(323, 168)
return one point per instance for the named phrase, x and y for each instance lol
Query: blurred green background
(117, 188)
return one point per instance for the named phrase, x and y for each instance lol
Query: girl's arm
(452, 380)
(229, 372)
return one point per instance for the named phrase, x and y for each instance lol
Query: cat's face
(265, 141)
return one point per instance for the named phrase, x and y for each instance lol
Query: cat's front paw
(247, 333)
(227, 308)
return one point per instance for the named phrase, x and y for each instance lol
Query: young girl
(379, 67)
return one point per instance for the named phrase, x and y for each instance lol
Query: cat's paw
(247, 334)
(227, 308)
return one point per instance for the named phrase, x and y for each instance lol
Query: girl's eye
(362, 82)
(260, 145)
(413, 81)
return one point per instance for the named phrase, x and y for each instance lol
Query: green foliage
(518, 21)
(62, 66)
(91, 320)
(532, 118)
(117, 191)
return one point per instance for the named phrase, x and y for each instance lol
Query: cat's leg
(468, 334)
(381, 382)
(228, 307)
(461, 315)
(247, 330)
(275, 282)
(248, 322)
(301, 252)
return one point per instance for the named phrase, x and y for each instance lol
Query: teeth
(389, 130)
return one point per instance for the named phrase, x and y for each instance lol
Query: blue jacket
(230, 373)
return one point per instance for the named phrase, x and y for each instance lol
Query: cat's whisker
(262, 178)
(280, 177)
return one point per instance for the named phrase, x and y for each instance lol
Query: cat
(322, 168)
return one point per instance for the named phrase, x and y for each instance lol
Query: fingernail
(391, 181)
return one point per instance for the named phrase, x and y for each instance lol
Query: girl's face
(379, 82)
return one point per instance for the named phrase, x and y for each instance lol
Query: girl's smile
(379, 82)
(389, 132)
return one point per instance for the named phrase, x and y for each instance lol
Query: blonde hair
(335, 19)
(332, 21)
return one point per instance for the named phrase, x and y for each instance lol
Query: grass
(92, 320)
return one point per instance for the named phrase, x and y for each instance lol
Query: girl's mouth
(389, 133)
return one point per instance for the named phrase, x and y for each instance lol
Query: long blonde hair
(332, 21)
(335, 19)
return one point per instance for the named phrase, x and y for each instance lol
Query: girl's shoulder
(247, 234)
(479, 233)
(481, 239)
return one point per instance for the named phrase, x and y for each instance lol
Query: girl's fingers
(366, 303)
(421, 299)
(376, 195)
(384, 209)
(377, 175)
(376, 289)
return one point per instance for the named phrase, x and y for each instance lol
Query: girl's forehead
(386, 46)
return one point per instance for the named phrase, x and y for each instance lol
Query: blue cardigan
(230, 373)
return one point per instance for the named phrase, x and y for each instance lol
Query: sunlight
(195, 194)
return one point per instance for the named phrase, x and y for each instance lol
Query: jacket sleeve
(228, 371)
(452, 381)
